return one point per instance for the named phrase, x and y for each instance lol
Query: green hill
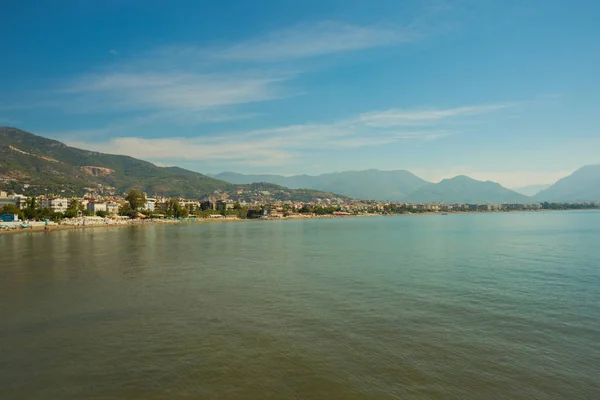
(49, 166)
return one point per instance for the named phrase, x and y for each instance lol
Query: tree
(175, 209)
(30, 212)
(101, 213)
(136, 199)
(11, 209)
(125, 210)
(74, 204)
(74, 208)
(305, 209)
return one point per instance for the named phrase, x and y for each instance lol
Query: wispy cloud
(282, 145)
(312, 40)
(178, 77)
(411, 117)
(173, 90)
(207, 83)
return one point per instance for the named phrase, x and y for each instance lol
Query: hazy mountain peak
(464, 189)
(581, 185)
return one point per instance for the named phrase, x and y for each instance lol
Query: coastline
(110, 224)
(144, 222)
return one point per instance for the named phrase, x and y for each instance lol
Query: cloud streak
(194, 83)
(173, 90)
(281, 145)
(313, 40)
(412, 117)
(184, 77)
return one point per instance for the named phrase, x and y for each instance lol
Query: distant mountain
(581, 185)
(243, 179)
(368, 184)
(531, 190)
(462, 189)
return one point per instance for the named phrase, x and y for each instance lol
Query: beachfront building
(96, 206)
(512, 206)
(56, 204)
(208, 205)
(21, 201)
(224, 205)
(191, 205)
(150, 204)
(112, 208)
(18, 200)
(5, 200)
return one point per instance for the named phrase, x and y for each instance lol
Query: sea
(474, 306)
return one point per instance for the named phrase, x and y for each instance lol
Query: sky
(507, 90)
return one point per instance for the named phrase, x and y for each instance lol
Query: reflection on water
(427, 307)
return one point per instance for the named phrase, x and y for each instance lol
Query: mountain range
(368, 184)
(462, 189)
(53, 167)
(397, 185)
(401, 185)
(49, 166)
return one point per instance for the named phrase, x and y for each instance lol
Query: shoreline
(126, 223)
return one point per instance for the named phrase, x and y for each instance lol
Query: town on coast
(21, 212)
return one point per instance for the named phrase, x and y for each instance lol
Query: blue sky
(501, 90)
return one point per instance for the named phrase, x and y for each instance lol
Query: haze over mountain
(398, 185)
(462, 189)
(581, 185)
(531, 190)
(368, 184)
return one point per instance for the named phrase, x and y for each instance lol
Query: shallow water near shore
(476, 306)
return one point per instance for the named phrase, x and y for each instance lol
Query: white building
(112, 208)
(57, 204)
(4, 200)
(21, 201)
(150, 204)
(96, 206)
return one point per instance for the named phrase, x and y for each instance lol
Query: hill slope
(53, 167)
(462, 189)
(368, 184)
(49, 166)
(581, 185)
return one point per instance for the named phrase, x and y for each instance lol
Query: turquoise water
(478, 306)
